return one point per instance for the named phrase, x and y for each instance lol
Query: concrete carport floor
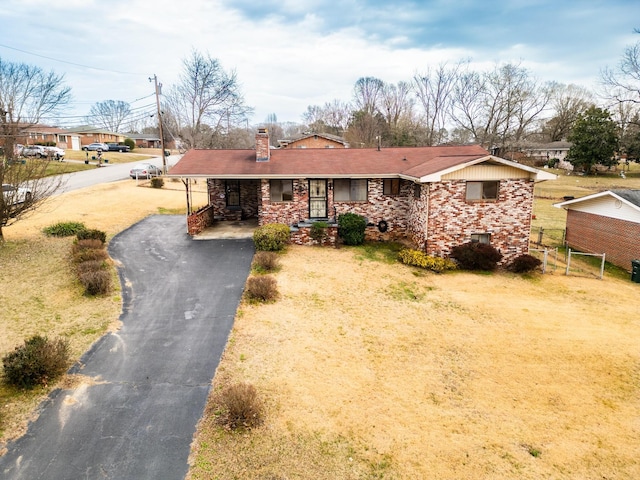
(147, 383)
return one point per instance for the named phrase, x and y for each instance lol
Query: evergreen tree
(595, 140)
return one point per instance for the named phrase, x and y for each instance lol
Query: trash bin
(635, 271)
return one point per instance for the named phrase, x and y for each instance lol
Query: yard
(371, 369)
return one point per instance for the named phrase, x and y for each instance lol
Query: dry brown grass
(371, 370)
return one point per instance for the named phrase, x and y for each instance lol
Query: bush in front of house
(157, 182)
(272, 237)
(64, 229)
(262, 288)
(37, 362)
(319, 232)
(524, 263)
(351, 228)
(476, 256)
(129, 142)
(92, 234)
(239, 407)
(266, 262)
(416, 258)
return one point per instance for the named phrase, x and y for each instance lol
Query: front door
(317, 199)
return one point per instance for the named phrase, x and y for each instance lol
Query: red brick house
(431, 197)
(606, 222)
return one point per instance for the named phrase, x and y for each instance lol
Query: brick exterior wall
(249, 200)
(618, 239)
(314, 142)
(437, 220)
(452, 220)
(199, 220)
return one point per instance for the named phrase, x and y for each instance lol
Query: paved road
(110, 172)
(147, 384)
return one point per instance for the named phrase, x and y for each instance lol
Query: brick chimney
(263, 152)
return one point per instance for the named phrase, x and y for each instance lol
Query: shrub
(351, 228)
(90, 254)
(266, 261)
(91, 266)
(92, 234)
(420, 259)
(240, 406)
(88, 244)
(263, 288)
(319, 231)
(37, 362)
(95, 282)
(130, 143)
(524, 263)
(476, 256)
(271, 237)
(64, 229)
(157, 182)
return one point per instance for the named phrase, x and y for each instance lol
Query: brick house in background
(430, 197)
(314, 140)
(90, 134)
(606, 222)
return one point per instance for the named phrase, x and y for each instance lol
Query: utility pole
(158, 87)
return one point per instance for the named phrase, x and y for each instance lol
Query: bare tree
(206, 101)
(498, 108)
(333, 117)
(567, 102)
(622, 84)
(367, 94)
(434, 89)
(27, 94)
(109, 114)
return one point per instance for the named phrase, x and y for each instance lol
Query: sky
(290, 54)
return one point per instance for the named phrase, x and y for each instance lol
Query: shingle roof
(320, 162)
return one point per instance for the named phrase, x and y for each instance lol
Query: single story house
(548, 151)
(430, 197)
(606, 222)
(314, 140)
(42, 134)
(90, 134)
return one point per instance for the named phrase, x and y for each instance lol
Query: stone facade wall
(199, 220)
(452, 219)
(618, 239)
(303, 236)
(284, 212)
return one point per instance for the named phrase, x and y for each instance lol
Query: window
(350, 190)
(417, 188)
(481, 238)
(232, 188)
(391, 186)
(477, 191)
(281, 190)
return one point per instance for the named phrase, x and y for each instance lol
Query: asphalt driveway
(145, 385)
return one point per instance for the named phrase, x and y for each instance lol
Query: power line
(69, 63)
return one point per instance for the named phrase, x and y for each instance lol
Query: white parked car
(37, 151)
(55, 152)
(15, 195)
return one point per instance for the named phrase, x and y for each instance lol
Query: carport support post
(568, 261)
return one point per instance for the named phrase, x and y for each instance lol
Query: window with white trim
(481, 238)
(479, 191)
(350, 190)
(281, 190)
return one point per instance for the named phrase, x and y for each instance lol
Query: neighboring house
(314, 140)
(607, 222)
(89, 134)
(430, 197)
(43, 134)
(146, 140)
(548, 151)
